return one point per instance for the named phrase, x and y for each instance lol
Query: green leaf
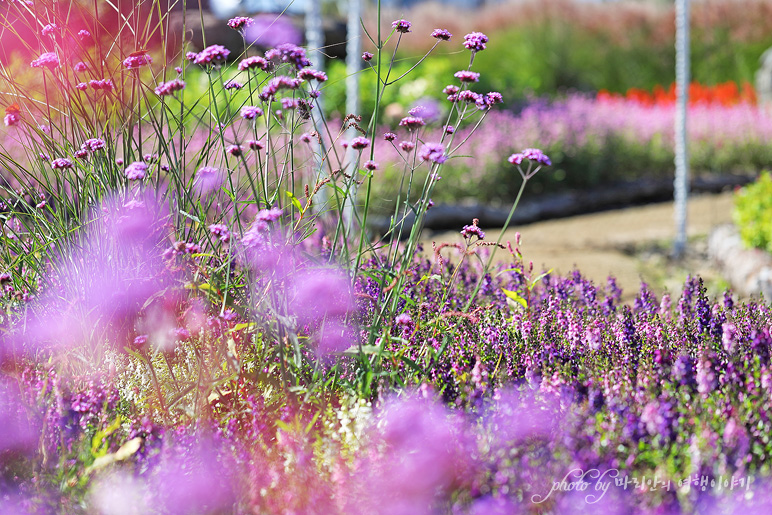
(516, 297)
(295, 201)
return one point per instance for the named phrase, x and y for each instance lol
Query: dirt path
(632, 244)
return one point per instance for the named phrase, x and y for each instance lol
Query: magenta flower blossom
(451, 89)
(468, 96)
(406, 146)
(137, 60)
(233, 84)
(389, 136)
(309, 73)
(488, 100)
(269, 215)
(221, 232)
(276, 84)
(442, 34)
(367, 56)
(46, 60)
(191, 56)
(433, 152)
(208, 179)
(475, 41)
(403, 319)
(472, 230)
(214, 55)
(402, 26)
(253, 62)
(81, 86)
(289, 53)
(136, 171)
(305, 137)
(11, 118)
(467, 76)
(102, 85)
(81, 153)
(255, 145)
(240, 22)
(84, 34)
(80, 66)
(93, 144)
(234, 150)
(289, 103)
(49, 29)
(169, 88)
(532, 154)
(359, 143)
(178, 70)
(412, 123)
(371, 165)
(251, 112)
(61, 163)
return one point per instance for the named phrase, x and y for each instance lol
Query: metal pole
(353, 67)
(681, 184)
(314, 45)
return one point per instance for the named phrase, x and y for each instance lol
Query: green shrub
(753, 213)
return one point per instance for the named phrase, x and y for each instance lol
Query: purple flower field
(593, 142)
(196, 318)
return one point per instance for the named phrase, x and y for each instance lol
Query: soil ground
(632, 244)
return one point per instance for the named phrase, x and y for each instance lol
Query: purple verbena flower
(239, 22)
(407, 146)
(433, 152)
(289, 53)
(402, 26)
(468, 96)
(84, 34)
(168, 88)
(475, 41)
(93, 144)
(442, 34)
(251, 112)
(467, 76)
(367, 56)
(269, 215)
(255, 61)
(61, 163)
(276, 84)
(473, 230)
(136, 171)
(309, 73)
(214, 55)
(371, 165)
(102, 85)
(389, 136)
(359, 143)
(49, 29)
(46, 60)
(232, 84)
(137, 60)
(403, 319)
(80, 66)
(412, 123)
(221, 232)
(234, 150)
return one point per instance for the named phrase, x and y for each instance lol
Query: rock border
(748, 271)
(444, 217)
